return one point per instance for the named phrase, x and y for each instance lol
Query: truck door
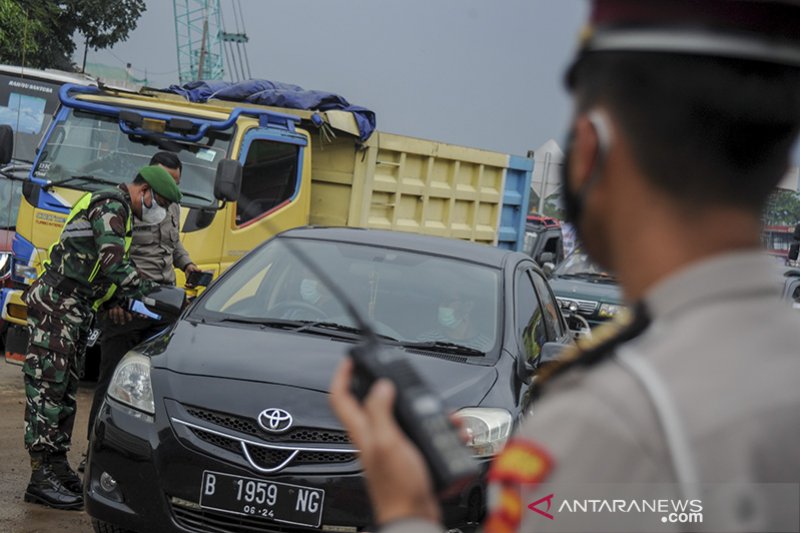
(275, 192)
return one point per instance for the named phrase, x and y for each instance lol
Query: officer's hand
(397, 478)
(119, 316)
(188, 269)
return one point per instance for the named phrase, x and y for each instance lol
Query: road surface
(17, 516)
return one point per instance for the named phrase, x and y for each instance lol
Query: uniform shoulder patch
(521, 462)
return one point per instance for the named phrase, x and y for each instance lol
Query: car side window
(530, 324)
(269, 177)
(552, 315)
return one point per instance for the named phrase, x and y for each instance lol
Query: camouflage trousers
(56, 328)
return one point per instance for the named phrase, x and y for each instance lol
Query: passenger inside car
(456, 321)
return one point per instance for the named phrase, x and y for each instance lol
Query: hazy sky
(484, 73)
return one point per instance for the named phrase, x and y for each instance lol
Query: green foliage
(551, 208)
(783, 209)
(48, 27)
(17, 33)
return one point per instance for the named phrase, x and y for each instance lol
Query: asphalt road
(17, 516)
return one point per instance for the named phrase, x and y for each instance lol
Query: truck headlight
(610, 310)
(488, 429)
(5, 264)
(131, 383)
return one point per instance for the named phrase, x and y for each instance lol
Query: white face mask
(309, 290)
(153, 214)
(447, 317)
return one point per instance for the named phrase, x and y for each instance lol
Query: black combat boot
(46, 489)
(65, 473)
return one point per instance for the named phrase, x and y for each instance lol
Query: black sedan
(222, 423)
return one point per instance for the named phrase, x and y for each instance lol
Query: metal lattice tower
(198, 32)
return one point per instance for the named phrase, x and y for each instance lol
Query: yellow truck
(250, 171)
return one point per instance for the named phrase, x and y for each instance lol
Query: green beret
(162, 182)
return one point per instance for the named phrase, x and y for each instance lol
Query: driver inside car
(315, 302)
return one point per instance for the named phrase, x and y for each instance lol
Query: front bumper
(158, 469)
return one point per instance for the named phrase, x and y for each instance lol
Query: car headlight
(488, 429)
(5, 264)
(610, 310)
(567, 305)
(25, 272)
(131, 383)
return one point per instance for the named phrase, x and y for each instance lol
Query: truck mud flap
(16, 344)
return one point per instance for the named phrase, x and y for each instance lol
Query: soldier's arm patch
(522, 462)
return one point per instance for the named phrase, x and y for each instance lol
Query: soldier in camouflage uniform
(86, 267)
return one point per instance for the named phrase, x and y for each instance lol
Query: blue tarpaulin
(277, 94)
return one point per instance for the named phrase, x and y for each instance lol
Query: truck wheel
(105, 527)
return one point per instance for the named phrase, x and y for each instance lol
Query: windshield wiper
(87, 177)
(596, 276)
(265, 322)
(442, 346)
(335, 326)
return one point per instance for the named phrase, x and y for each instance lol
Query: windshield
(27, 106)
(10, 197)
(407, 296)
(578, 264)
(90, 144)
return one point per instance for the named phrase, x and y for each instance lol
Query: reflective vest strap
(81, 206)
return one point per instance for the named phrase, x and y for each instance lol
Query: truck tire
(105, 527)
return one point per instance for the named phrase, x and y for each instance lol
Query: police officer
(156, 251)
(685, 114)
(86, 267)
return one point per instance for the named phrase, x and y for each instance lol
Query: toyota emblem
(275, 420)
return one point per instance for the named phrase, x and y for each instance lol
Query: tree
(783, 209)
(18, 33)
(49, 27)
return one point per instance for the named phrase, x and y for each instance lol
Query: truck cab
(544, 241)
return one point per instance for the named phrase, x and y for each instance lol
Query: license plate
(279, 502)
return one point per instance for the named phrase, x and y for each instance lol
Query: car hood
(586, 290)
(297, 360)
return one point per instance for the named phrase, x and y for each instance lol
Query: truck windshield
(10, 195)
(578, 264)
(90, 144)
(410, 297)
(27, 105)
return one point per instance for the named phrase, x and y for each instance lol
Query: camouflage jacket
(93, 251)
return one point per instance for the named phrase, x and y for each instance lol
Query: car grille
(585, 307)
(207, 521)
(251, 427)
(264, 453)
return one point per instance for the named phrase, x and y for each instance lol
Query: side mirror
(548, 269)
(794, 251)
(6, 144)
(547, 257)
(551, 352)
(165, 301)
(228, 182)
